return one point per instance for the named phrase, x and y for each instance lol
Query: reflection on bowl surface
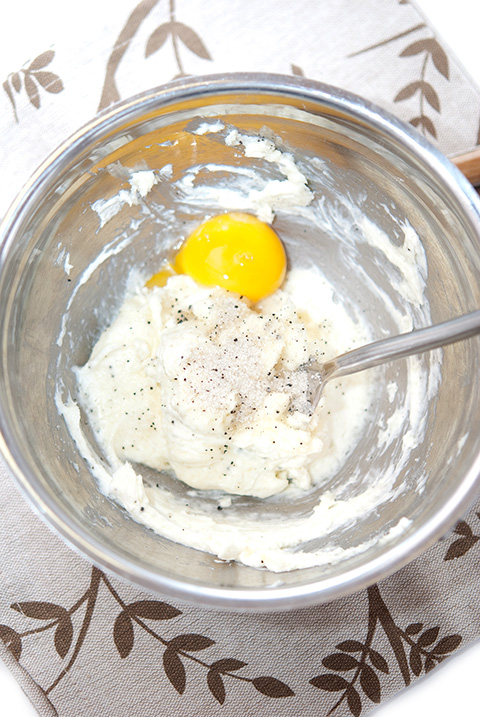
(381, 235)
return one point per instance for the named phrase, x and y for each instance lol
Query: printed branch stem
(54, 623)
(110, 93)
(372, 624)
(92, 593)
(158, 637)
(176, 51)
(391, 630)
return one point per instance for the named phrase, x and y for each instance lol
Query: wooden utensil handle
(469, 165)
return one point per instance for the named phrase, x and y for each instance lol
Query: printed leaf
(191, 40)
(414, 628)
(407, 91)
(216, 686)
(378, 661)
(431, 96)
(463, 528)
(49, 81)
(440, 59)
(296, 70)
(354, 702)
(9, 92)
(41, 61)
(437, 53)
(340, 662)
(350, 646)
(12, 640)
(228, 664)
(32, 91)
(460, 547)
(330, 683)
(174, 670)
(447, 644)
(271, 687)
(190, 642)
(393, 634)
(63, 636)
(416, 48)
(153, 610)
(426, 90)
(370, 683)
(415, 660)
(16, 82)
(428, 637)
(123, 634)
(425, 123)
(40, 610)
(429, 664)
(158, 38)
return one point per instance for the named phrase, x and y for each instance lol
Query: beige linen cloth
(83, 643)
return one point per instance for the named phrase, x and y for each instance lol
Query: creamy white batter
(195, 380)
(165, 387)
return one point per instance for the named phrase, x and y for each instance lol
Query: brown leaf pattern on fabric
(411, 646)
(174, 670)
(153, 610)
(432, 54)
(57, 616)
(132, 616)
(110, 93)
(296, 70)
(41, 61)
(63, 636)
(33, 79)
(216, 685)
(12, 640)
(431, 51)
(462, 545)
(123, 635)
(271, 687)
(178, 33)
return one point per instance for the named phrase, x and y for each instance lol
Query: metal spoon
(380, 352)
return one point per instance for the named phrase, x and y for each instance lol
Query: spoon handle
(414, 342)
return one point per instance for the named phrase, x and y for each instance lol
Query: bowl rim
(259, 599)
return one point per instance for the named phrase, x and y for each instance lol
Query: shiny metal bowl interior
(373, 158)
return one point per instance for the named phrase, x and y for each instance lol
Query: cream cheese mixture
(192, 379)
(200, 383)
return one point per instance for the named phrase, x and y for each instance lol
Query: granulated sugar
(227, 369)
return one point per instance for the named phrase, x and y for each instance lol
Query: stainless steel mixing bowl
(51, 236)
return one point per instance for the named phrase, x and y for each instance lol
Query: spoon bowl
(390, 349)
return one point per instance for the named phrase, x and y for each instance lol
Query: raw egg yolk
(162, 276)
(236, 251)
